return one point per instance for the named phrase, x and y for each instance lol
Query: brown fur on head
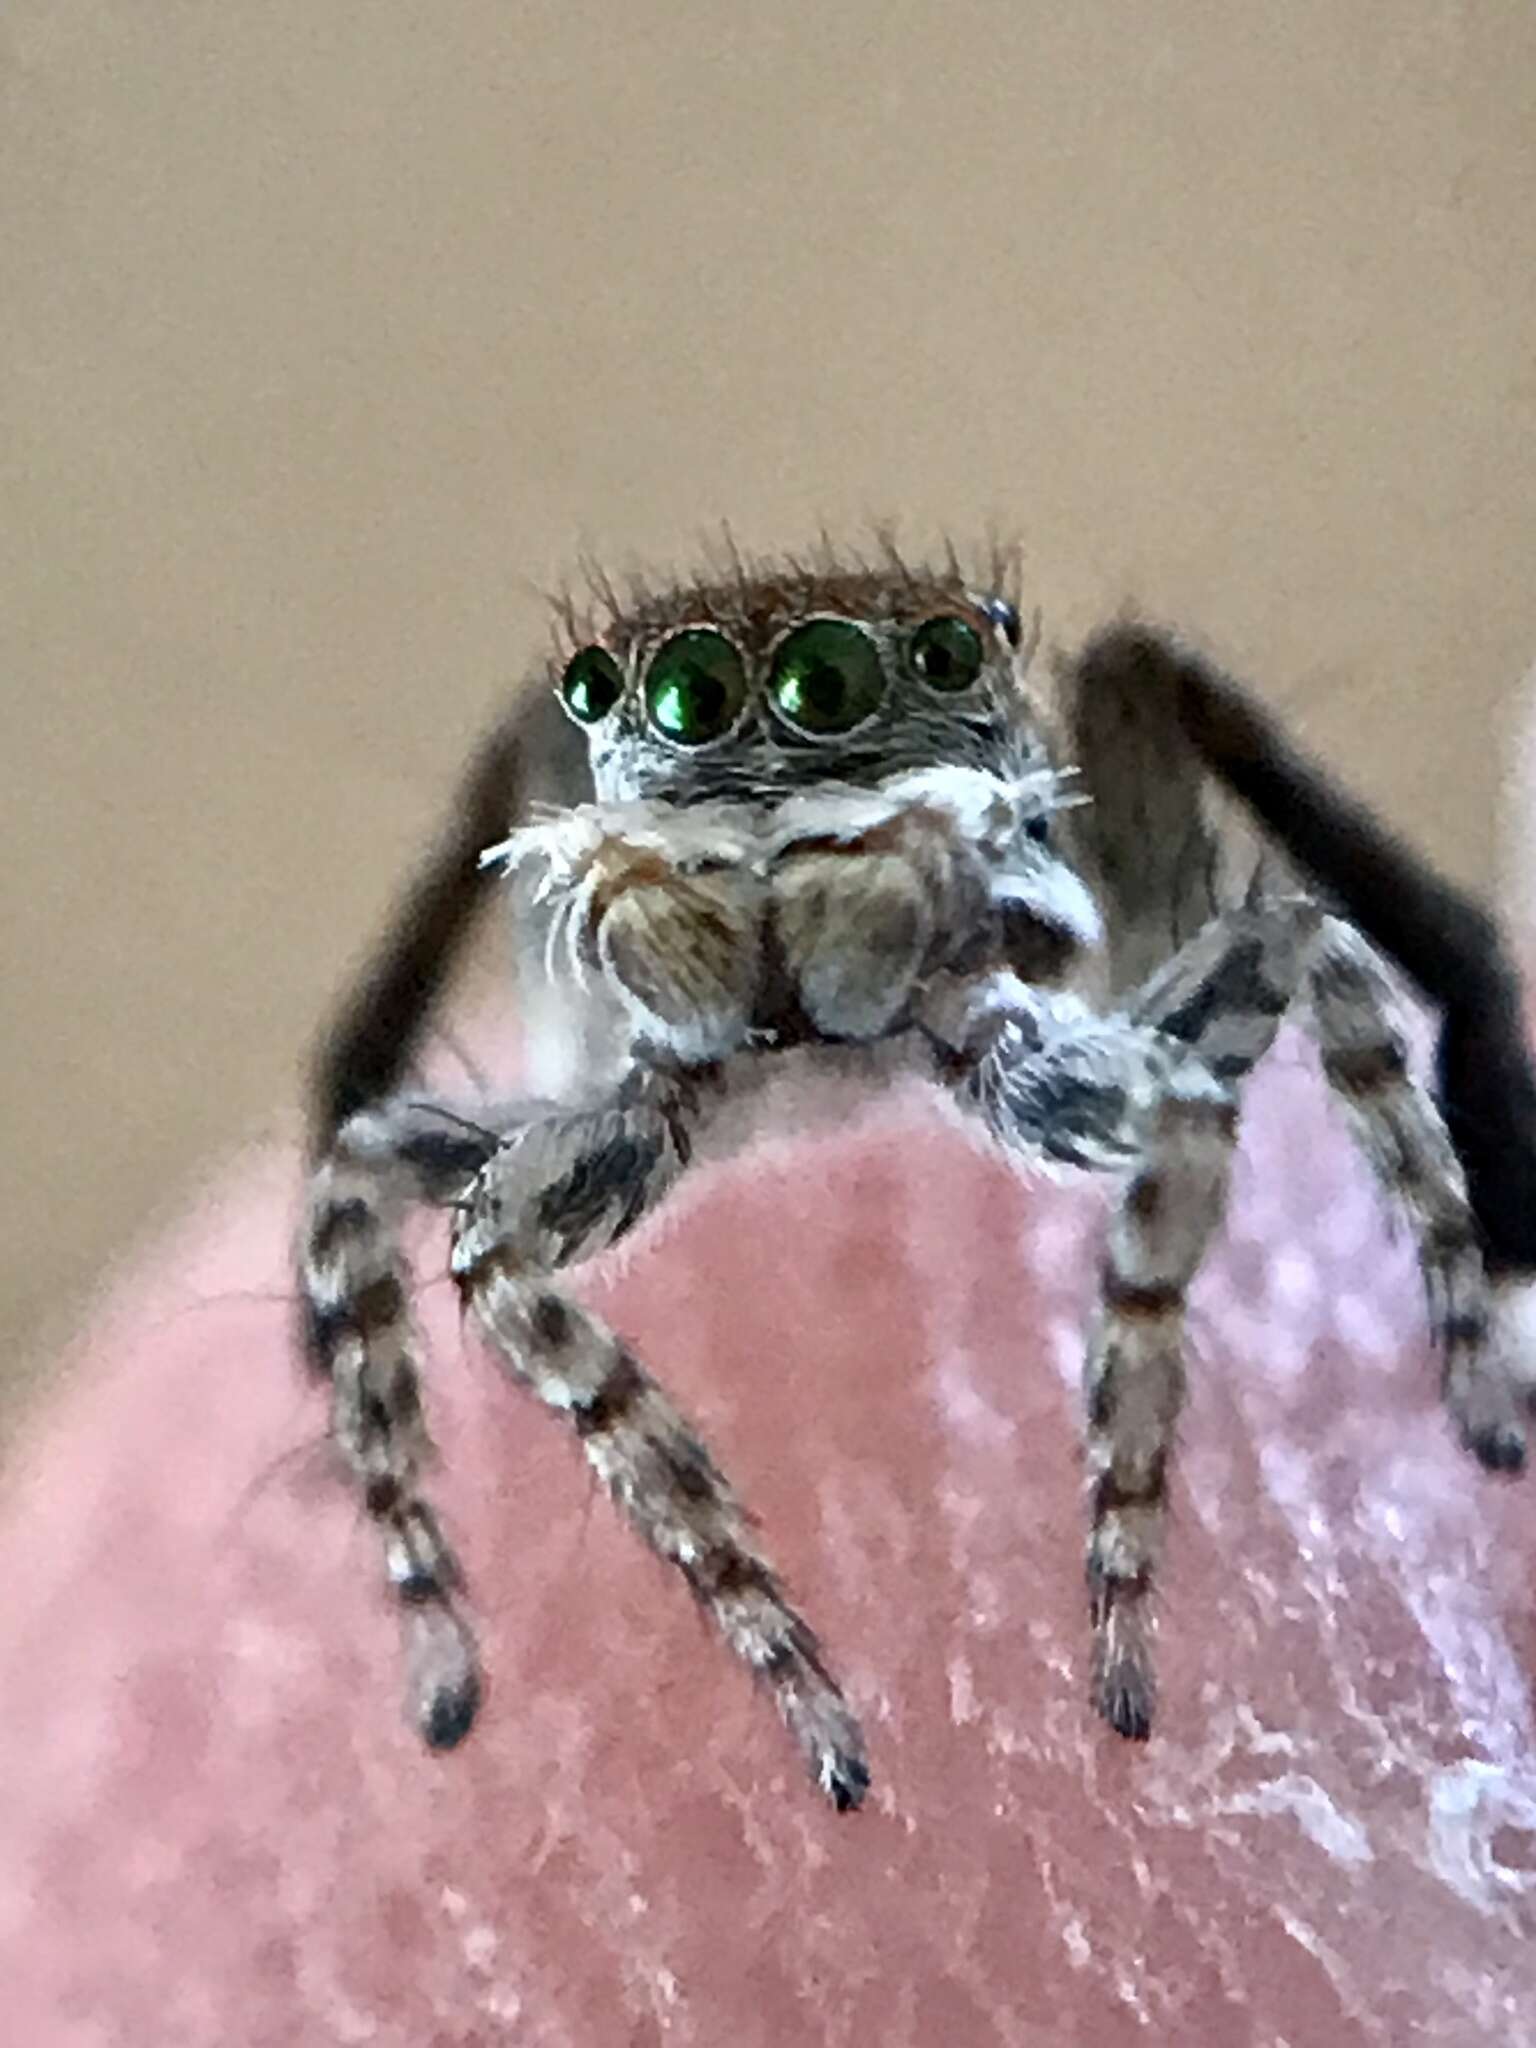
(759, 594)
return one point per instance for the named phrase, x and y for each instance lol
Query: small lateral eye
(1005, 617)
(826, 677)
(695, 686)
(592, 684)
(947, 653)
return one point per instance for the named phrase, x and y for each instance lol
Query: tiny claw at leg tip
(449, 1716)
(1128, 1711)
(845, 1780)
(1499, 1449)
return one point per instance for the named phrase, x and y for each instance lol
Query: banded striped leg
(1135, 1375)
(1223, 996)
(1156, 1085)
(1136, 698)
(1400, 1129)
(354, 1284)
(1440, 937)
(559, 1190)
(1118, 1097)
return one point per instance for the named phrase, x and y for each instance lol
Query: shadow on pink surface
(219, 1829)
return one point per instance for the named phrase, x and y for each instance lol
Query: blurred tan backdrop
(329, 329)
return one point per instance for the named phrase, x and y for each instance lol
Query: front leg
(556, 1192)
(1100, 1099)
(1156, 1090)
(1134, 1380)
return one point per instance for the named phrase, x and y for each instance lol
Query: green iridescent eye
(592, 684)
(695, 686)
(947, 653)
(826, 676)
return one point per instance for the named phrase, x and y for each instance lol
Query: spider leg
(1157, 1087)
(1223, 997)
(1134, 1379)
(1091, 1087)
(354, 1285)
(1144, 837)
(1401, 1132)
(370, 1165)
(559, 1190)
(1440, 937)
(369, 1044)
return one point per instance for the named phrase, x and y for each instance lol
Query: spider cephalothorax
(835, 821)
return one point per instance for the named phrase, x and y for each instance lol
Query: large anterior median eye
(695, 686)
(592, 684)
(947, 653)
(826, 676)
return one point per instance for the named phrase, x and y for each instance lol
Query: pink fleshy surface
(217, 1828)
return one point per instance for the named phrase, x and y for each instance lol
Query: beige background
(330, 330)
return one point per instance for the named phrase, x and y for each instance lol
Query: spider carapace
(836, 818)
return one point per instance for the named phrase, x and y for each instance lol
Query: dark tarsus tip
(1500, 1448)
(849, 1782)
(1127, 1706)
(450, 1713)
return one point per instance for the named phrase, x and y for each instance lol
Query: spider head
(780, 676)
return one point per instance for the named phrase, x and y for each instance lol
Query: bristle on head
(755, 594)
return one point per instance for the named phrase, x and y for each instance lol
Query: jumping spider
(836, 822)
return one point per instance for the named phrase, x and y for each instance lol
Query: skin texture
(218, 1827)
